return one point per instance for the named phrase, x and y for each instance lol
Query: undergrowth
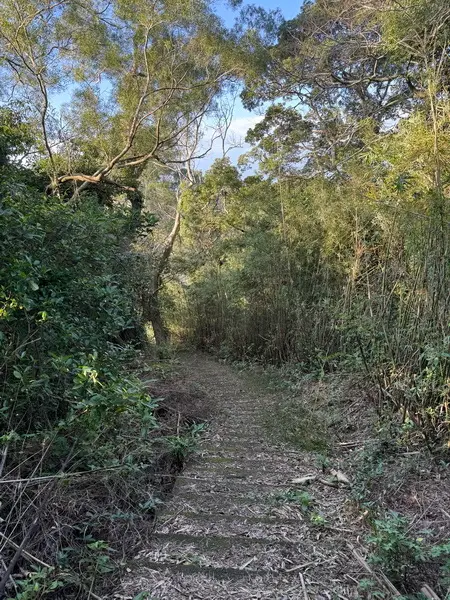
(316, 413)
(81, 439)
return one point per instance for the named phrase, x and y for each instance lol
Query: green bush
(63, 305)
(68, 400)
(396, 551)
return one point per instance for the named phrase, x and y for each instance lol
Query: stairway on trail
(222, 534)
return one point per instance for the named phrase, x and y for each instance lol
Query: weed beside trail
(92, 519)
(296, 423)
(301, 419)
(398, 490)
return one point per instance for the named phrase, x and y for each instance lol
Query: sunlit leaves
(137, 74)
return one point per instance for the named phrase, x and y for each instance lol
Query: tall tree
(140, 74)
(352, 66)
(136, 80)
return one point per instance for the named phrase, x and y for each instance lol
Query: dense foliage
(66, 303)
(101, 114)
(326, 248)
(336, 250)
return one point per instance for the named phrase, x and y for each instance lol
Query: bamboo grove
(334, 251)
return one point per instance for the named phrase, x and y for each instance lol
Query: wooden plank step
(220, 552)
(235, 526)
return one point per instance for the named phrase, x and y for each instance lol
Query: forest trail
(229, 529)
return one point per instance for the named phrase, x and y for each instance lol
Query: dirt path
(235, 526)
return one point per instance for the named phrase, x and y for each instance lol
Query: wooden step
(236, 526)
(220, 552)
(190, 582)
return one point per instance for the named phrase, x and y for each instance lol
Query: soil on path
(236, 526)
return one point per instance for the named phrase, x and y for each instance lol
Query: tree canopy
(324, 248)
(134, 78)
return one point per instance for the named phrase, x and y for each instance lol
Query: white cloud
(235, 141)
(241, 125)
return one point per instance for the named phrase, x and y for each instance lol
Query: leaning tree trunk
(151, 312)
(151, 303)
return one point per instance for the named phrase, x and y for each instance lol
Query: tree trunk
(151, 306)
(152, 314)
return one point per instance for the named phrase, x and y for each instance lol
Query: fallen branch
(304, 480)
(309, 564)
(57, 476)
(428, 592)
(380, 578)
(328, 482)
(305, 593)
(338, 477)
(26, 554)
(19, 551)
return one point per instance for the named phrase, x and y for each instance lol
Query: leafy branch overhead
(136, 76)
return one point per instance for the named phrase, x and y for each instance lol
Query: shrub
(68, 400)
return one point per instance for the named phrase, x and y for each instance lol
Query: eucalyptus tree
(134, 75)
(112, 87)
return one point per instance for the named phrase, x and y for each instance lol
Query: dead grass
(92, 523)
(390, 469)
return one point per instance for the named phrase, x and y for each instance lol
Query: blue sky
(243, 119)
(288, 8)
